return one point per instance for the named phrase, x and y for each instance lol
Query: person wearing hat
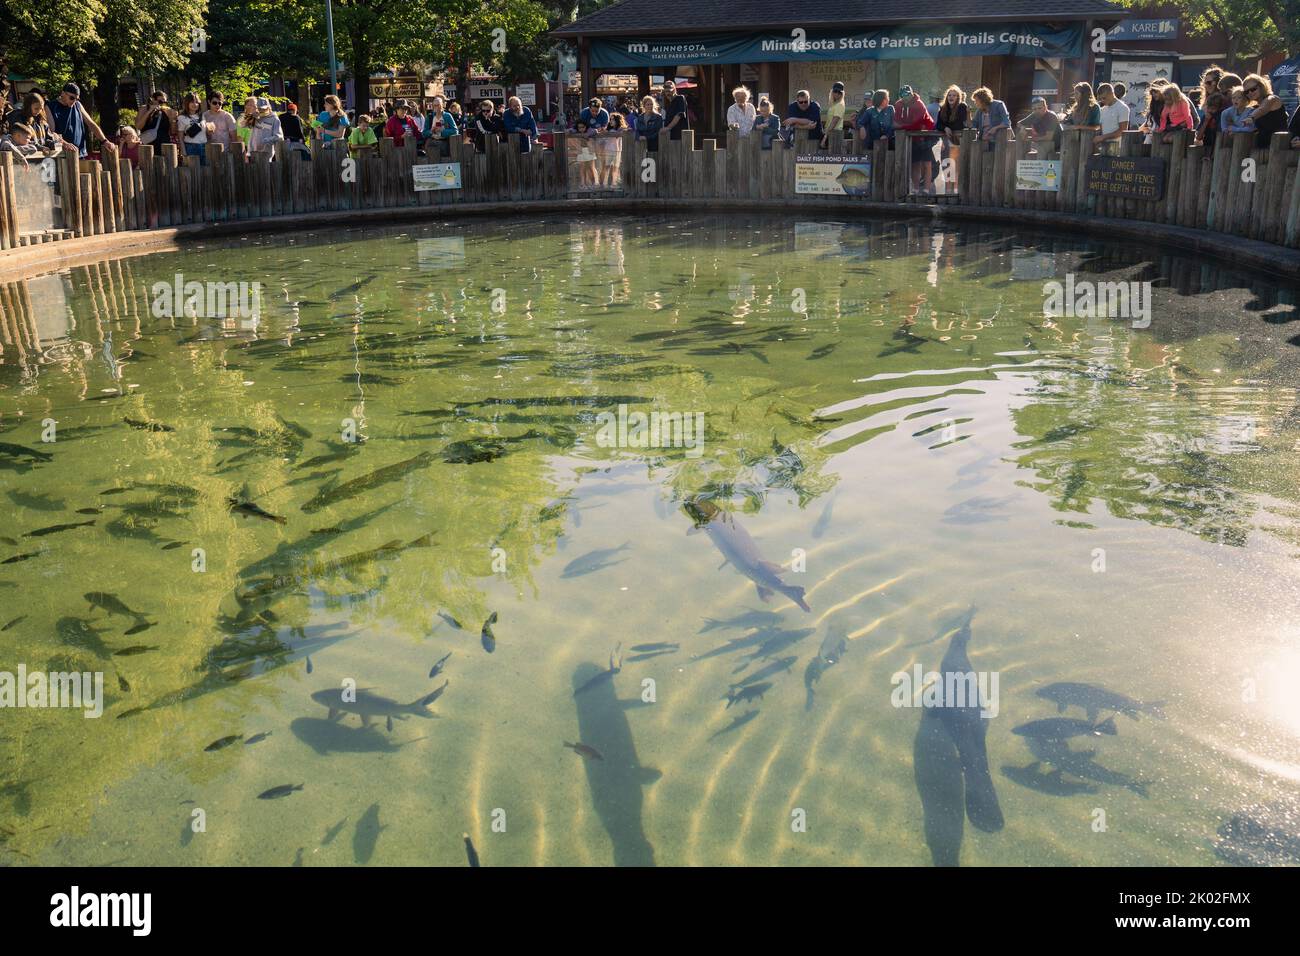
(911, 114)
(295, 135)
(400, 125)
(1042, 124)
(834, 113)
(266, 129)
(69, 119)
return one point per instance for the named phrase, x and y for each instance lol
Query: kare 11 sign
(1124, 177)
(820, 175)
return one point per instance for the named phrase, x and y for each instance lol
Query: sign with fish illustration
(1039, 175)
(436, 176)
(832, 175)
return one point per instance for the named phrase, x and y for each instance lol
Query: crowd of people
(39, 127)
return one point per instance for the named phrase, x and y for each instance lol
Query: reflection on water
(479, 440)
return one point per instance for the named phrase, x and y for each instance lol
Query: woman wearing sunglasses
(1263, 109)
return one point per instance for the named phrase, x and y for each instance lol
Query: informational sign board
(1125, 177)
(527, 94)
(824, 175)
(436, 176)
(1039, 175)
(1145, 30)
(485, 91)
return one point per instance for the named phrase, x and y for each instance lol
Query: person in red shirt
(910, 114)
(400, 125)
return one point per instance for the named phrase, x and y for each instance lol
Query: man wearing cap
(834, 112)
(1042, 124)
(400, 125)
(69, 119)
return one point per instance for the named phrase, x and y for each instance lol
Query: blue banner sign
(1144, 30)
(894, 43)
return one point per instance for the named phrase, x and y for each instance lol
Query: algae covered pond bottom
(651, 541)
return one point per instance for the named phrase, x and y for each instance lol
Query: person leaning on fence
(911, 115)
(677, 115)
(803, 114)
(1176, 115)
(193, 129)
(1041, 124)
(741, 113)
(440, 125)
(32, 115)
(519, 119)
(362, 140)
(834, 115)
(69, 120)
(225, 130)
(649, 123)
(1085, 111)
(295, 135)
(954, 116)
(400, 125)
(21, 141)
(1114, 121)
(156, 121)
(594, 116)
(990, 116)
(766, 122)
(1207, 134)
(332, 123)
(876, 121)
(1265, 109)
(266, 129)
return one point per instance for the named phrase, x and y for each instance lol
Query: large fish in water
(738, 548)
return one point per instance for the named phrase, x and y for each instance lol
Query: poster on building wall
(1039, 175)
(824, 175)
(1137, 76)
(858, 77)
(429, 176)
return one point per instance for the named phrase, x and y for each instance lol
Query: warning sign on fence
(1137, 177)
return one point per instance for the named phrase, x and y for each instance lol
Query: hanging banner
(893, 43)
(823, 175)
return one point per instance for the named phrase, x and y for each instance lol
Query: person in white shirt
(741, 114)
(1114, 120)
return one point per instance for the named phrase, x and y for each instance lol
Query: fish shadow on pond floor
(327, 737)
(616, 782)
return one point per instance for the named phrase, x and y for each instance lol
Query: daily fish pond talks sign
(832, 175)
(892, 43)
(1127, 177)
(436, 176)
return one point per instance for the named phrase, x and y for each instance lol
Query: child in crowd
(362, 139)
(767, 122)
(1228, 119)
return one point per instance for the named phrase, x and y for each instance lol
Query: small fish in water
(21, 557)
(390, 723)
(437, 668)
(1063, 728)
(739, 550)
(281, 791)
(603, 675)
(249, 509)
(333, 831)
(776, 667)
(148, 426)
(451, 620)
(488, 638)
(122, 685)
(172, 545)
(132, 712)
(142, 626)
(593, 561)
(224, 742)
(135, 649)
(56, 528)
(88, 511)
(9, 450)
(18, 619)
(832, 649)
(1094, 700)
(354, 287)
(110, 603)
(297, 858)
(659, 646)
(752, 692)
(470, 852)
(823, 350)
(584, 750)
(309, 664)
(257, 738)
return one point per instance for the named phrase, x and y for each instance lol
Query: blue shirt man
(70, 120)
(594, 115)
(806, 114)
(522, 122)
(877, 120)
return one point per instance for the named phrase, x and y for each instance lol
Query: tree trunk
(106, 100)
